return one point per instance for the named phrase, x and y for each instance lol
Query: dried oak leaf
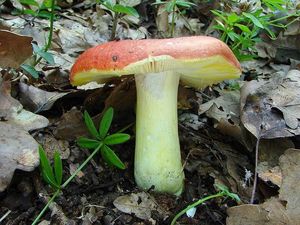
(271, 109)
(14, 49)
(18, 149)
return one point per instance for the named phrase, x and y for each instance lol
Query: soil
(89, 199)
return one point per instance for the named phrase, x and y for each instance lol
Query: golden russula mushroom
(158, 65)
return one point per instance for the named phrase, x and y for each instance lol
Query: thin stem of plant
(46, 207)
(173, 19)
(114, 27)
(50, 36)
(255, 171)
(66, 183)
(81, 166)
(200, 201)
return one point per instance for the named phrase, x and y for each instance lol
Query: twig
(5, 215)
(255, 171)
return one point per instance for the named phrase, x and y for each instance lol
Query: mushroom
(158, 64)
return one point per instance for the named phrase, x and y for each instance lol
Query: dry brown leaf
(139, 204)
(14, 49)
(18, 150)
(284, 210)
(271, 212)
(12, 111)
(290, 188)
(271, 109)
(224, 107)
(38, 100)
(51, 144)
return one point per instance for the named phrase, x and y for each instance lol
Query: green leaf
(253, 19)
(117, 138)
(88, 143)
(108, 4)
(219, 27)
(29, 2)
(232, 18)
(45, 55)
(31, 70)
(29, 12)
(90, 125)
(46, 168)
(125, 10)
(111, 158)
(47, 3)
(220, 14)
(106, 122)
(58, 169)
(46, 15)
(185, 4)
(233, 36)
(243, 28)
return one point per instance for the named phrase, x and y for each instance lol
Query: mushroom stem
(157, 153)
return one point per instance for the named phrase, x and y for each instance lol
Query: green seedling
(117, 10)
(223, 192)
(101, 142)
(175, 7)
(241, 31)
(45, 10)
(39, 53)
(52, 176)
(102, 139)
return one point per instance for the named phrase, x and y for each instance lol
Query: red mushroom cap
(200, 60)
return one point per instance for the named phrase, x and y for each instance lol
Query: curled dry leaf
(271, 109)
(38, 100)
(14, 49)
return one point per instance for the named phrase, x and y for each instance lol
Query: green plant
(102, 141)
(241, 31)
(45, 10)
(117, 10)
(175, 7)
(223, 192)
(39, 54)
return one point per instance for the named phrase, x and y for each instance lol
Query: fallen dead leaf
(284, 210)
(51, 144)
(139, 204)
(11, 110)
(271, 212)
(18, 150)
(38, 100)
(225, 107)
(14, 49)
(290, 188)
(271, 109)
